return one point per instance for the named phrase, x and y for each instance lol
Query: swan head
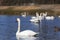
(18, 19)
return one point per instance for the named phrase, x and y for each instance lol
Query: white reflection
(28, 38)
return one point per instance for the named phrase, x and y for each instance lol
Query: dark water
(8, 28)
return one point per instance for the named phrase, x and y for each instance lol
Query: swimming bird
(23, 14)
(49, 17)
(26, 33)
(35, 19)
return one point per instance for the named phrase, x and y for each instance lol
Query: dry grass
(13, 9)
(54, 7)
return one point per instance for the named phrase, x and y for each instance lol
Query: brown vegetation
(16, 10)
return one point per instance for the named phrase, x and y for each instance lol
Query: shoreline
(17, 10)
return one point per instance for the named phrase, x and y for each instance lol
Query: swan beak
(36, 35)
(16, 20)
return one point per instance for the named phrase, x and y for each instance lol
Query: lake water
(8, 28)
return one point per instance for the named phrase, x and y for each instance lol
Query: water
(8, 28)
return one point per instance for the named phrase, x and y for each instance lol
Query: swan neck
(37, 15)
(18, 26)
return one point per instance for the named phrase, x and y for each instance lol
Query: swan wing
(28, 32)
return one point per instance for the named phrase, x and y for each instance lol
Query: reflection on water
(29, 38)
(8, 28)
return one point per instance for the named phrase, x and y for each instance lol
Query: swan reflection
(28, 38)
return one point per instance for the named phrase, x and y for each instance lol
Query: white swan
(23, 14)
(49, 17)
(38, 17)
(35, 19)
(26, 33)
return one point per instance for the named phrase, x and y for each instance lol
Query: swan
(38, 17)
(49, 17)
(26, 33)
(23, 14)
(35, 19)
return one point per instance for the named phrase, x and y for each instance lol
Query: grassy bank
(31, 10)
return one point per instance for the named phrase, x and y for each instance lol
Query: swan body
(34, 19)
(26, 33)
(49, 18)
(23, 14)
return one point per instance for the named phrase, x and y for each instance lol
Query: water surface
(8, 28)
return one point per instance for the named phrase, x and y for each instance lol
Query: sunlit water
(8, 28)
